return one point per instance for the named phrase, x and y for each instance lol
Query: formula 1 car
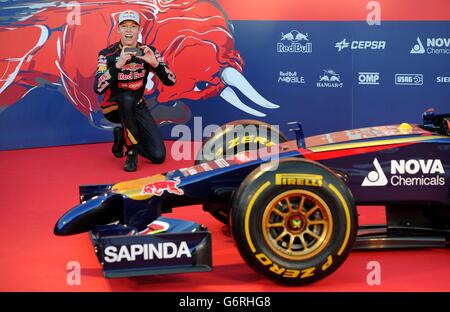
(291, 207)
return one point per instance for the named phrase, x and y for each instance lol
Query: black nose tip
(59, 229)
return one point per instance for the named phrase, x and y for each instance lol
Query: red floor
(38, 185)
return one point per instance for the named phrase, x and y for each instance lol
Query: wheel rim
(297, 224)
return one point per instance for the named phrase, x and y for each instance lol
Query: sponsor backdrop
(326, 64)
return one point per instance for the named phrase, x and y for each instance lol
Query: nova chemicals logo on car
(298, 179)
(366, 78)
(405, 173)
(329, 79)
(360, 45)
(409, 79)
(130, 253)
(294, 42)
(291, 78)
(433, 46)
(376, 177)
(400, 168)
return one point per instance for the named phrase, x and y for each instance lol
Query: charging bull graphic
(56, 46)
(158, 188)
(294, 36)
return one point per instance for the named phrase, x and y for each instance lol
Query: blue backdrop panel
(320, 86)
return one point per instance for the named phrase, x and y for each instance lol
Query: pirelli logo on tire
(298, 179)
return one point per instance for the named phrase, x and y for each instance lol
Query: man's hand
(149, 57)
(124, 57)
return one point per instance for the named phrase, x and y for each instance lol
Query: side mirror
(296, 127)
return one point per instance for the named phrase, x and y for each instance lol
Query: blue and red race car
(290, 206)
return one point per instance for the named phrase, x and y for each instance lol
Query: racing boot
(119, 142)
(131, 161)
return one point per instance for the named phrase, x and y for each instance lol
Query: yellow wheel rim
(297, 224)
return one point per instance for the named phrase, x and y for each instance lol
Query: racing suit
(123, 100)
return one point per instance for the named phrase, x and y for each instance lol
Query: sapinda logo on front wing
(166, 250)
(406, 173)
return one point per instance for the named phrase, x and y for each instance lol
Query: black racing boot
(131, 161)
(119, 141)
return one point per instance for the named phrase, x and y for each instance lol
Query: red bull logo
(295, 38)
(133, 66)
(131, 75)
(64, 55)
(158, 188)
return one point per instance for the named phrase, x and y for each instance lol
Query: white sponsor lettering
(433, 46)
(360, 45)
(398, 180)
(290, 77)
(365, 78)
(443, 79)
(294, 42)
(329, 79)
(401, 171)
(438, 42)
(363, 45)
(409, 79)
(413, 166)
(166, 250)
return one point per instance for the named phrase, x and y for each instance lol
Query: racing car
(290, 204)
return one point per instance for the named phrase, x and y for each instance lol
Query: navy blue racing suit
(123, 100)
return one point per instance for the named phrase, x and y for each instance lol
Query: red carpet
(38, 185)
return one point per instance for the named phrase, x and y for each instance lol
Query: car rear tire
(267, 135)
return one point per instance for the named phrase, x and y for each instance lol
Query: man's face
(129, 32)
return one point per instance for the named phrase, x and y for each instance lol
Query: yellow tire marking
(247, 215)
(347, 217)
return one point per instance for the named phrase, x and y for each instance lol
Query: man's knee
(159, 156)
(155, 155)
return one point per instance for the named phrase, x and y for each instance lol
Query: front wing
(183, 247)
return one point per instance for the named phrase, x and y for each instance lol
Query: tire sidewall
(220, 135)
(262, 258)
